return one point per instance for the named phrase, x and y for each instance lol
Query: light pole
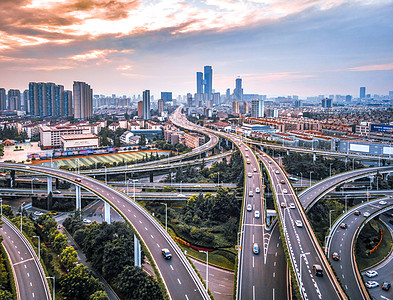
(346, 203)
(300, 266)
(54, 286)
(207, 269)
(330, 220)
(330, 170)
(134, 180)
(21, 215)
(78, 164)
(166, 216)
(1, 203)
(310, 176)
(301, 179)
(39, 244)
(105, 175)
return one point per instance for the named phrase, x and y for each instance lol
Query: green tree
(60, 242)
(79, 283)
(99, 295)
(68, 257)
(4, 280)
(7, 211)
(27, 226)
(116, 251)
(142, 140)
(48, 223)
(5, 295)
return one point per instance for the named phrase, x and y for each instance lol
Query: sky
(278, 47)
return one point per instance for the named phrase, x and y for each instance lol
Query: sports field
(107, 158)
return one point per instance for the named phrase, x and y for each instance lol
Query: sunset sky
(305, 47)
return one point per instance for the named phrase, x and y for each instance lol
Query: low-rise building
(79, 141)
(50, 135)
(194, 140)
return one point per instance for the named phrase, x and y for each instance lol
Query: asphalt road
(303, 250)
(342, 241)
(177, 274)
(29, 274)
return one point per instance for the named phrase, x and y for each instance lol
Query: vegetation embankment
(7, 286)
(110, 250)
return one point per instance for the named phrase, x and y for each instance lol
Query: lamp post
(105, 175)
(21, 215)
(134, 180)
(207, 269)
(166, 216)
(310, 176)
(330, 220)
(1, 203)
(39, 244)
(54, 286)
(300, 265)
(346, 203)
(301, 179)
(330, 170)
(78, 164)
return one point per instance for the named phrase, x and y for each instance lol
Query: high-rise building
(26, 101)
(391, 95)
(199, 82)
(246, 107)
(160, 106)
(83, 100)
(216, 98)
(189, 99)
(2, 99)
(140, 109)
(326, 103)
(68, 111)
(227, 96)
(235, 107)
(362, 92)
(298, 103)
(146, 105)
(14, 101)
(208, 82)
(348, 99)
(238, 91)
(257, 108)
(166, 96)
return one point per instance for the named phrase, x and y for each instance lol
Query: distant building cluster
(174, 135)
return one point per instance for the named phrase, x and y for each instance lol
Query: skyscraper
(166, 96)
(257, 108)
(362, 92)
(68, 111)
(199, 82)
(14, 101)
(146, 105)
(189, 99)
(160, 106)
(348, 99)
(208, 82)
(83, 100)
(227, 96)
(26, 101)
(2, 99)
(238, 91)
(140, 109)
(235, 107)
(246, 107)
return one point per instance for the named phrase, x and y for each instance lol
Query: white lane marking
(253, 292)
(152, 236)
(28, 274)
(158, 246)
(145, 228)
(171, 267)
(253, 262)
(179, 281)
(186, 296)
(253, 238)
(32, 294)
(274, 264)
(140, 221)
(31, 284)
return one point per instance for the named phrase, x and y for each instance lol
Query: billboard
(382, 128)
(359, 148)
(388, 150)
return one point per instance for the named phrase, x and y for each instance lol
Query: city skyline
(276, 47)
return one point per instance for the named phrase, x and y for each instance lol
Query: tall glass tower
(208, 82)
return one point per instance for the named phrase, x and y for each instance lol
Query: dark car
(356, 213)
(317, 270)
(386, 286)
(166, 253)
(78, 179)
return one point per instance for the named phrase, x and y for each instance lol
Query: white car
(249, 175)
(263, 155)
(257, 214)
(382, 202)
(277, 172)
(299, 223)
(285, 191)
(250, 193)
(255, 169)
(257, 190)
(86, 221)
(246, 149)
(372, 284)
(292, 206)
(366, 214)
(247, 155)
(371, 273)
(249, 207)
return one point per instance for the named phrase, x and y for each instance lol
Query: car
(371, 273)
(386, 286)
(285, 191)
(292, 206)
(255, 248)
(357, 213)
(56, 192)
(317, 270)
(343, 226)
(257, 190)
(299, 223)
(277, 172)
(250, 193)
(257, 214)
(335, 256)
(246, 149)
(249, 174)
(87, 221)
(78, 179)
(38, 213)
(247, 155)
(372, 284)
(249, 207)
(366, 214)
(382, 202)
(283, 205)
(282, 181)
(255, 169)
(270, 162)
(263, 155)
(166, 253)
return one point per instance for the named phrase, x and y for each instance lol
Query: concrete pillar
(346, 159)
(107, 212)
(314, 156)
(49, 183)
(137, 252)
(151, 176)
(288, 152)
(207, 154)
(227, 142)
(78, 205)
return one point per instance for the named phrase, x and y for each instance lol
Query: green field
(92, 160)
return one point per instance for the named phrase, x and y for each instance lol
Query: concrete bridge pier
(107, 212)
(288, 153)
(78, 203)
(314, 157)
(137, 252)
(49, 184)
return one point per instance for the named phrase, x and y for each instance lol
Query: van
(317, 269)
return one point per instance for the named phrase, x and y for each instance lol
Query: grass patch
(368, 238)
(222, 258)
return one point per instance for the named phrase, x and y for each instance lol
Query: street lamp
(39, 252)
(300, 266)
(310, 176)
(207, 269)
(301, 179)
(21, 215)
(330, 220)
(166, 215)
(78, 164)
(134, 180)
(1, 203)
(54, 286)
(330, 169)
(105, 175)
(346, 203)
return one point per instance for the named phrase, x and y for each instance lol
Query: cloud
(383, 67)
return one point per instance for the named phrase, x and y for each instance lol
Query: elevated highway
(178, 276)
